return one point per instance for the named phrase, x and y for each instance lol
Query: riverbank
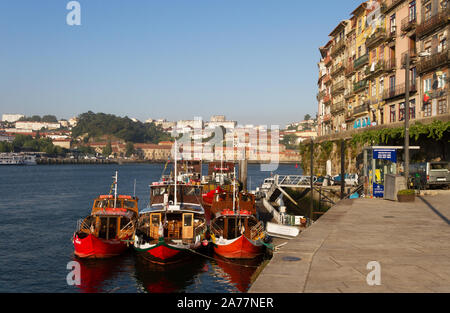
(410, 242)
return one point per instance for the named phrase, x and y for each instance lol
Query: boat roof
(185, 207)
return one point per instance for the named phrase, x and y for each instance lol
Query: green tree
(107, 150)
(307, 117)
(129, 149)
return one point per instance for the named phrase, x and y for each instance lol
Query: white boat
(17, 159)
(282, 231)
(11, 159)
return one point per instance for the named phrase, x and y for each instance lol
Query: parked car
(430, 174)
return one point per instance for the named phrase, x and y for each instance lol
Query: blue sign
(378, 190)
(385, 154)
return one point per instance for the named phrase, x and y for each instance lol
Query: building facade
(378, 37)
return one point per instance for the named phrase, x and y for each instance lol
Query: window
(427, 11)
(427, 85)
(442, 106)
(381, 52)
(442, 43)
(427, 109)
(412, 110)
(412, 11)
(392, 113)
(393, 26)
(401, 111)
(442, 79)
(381, 116)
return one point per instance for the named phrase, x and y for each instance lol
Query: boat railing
(200, 229)
(128, 229)
(216, 229)
(256, 230)
(82, 225)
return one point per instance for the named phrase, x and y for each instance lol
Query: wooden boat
(235, 230)
(173, 224)
(219, 179)
(106, 231)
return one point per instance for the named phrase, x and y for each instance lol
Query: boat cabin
(229, 225)
(224, 200)
(185, 194)
(111, 218)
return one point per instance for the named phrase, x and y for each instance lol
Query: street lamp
(406, 115)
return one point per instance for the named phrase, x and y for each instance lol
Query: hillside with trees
(97, 125)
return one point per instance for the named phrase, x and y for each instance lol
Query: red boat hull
(242, 248)
(93, 247)
(163, 253)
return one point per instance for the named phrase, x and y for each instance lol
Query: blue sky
(254, 61)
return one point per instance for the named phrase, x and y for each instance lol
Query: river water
(40, 206)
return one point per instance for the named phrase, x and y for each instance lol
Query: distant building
(12, 117)
(63, 143)
(37, 125)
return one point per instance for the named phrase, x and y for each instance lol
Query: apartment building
(378, 37)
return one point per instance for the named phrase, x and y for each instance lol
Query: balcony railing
(378, 68)
(412, 56)
(408, 23)
(361, 108)
(328, 60)
(338, 87)
(392, 33)
(358, 86)
(326, 98)
(326, 79)
(378, 36)
(337, 47)
(398, 90)
(433, 61)
(326, 117)
(349, 69)
(430, 24)
(335, 69)
(389, 5)
(336, 107)
(389, 65)
(362, 60)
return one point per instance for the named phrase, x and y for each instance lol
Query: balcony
(349, 116)
(398, 91)
(349, 69)
(338, 87)
(363, 108)
(348, 93)
(321, 94)
(434, 61)
(408, 23)
(392, 33)
(388, 5)
(389, 65)
(336, 107)
(327, 99)
(358, 86)
(378, 36)
(326, 79)
(337, 68)
(412, 57)
(328, 60)
(326, 118)
(379, 68)
(359, 62)
(433, 22)
(337, 47)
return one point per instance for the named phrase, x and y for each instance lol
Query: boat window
(155, 220)
(112, 228)
(158, 191)
(188, 220)
(129, 204)
(101, 203)
(103, 227)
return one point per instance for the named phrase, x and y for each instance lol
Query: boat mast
(175, 195)
(115, 190)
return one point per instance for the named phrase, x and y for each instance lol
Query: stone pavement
(410, 241)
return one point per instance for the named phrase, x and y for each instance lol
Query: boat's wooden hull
(93, 247)
(239, 248)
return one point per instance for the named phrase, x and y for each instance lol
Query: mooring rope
(208, 257)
